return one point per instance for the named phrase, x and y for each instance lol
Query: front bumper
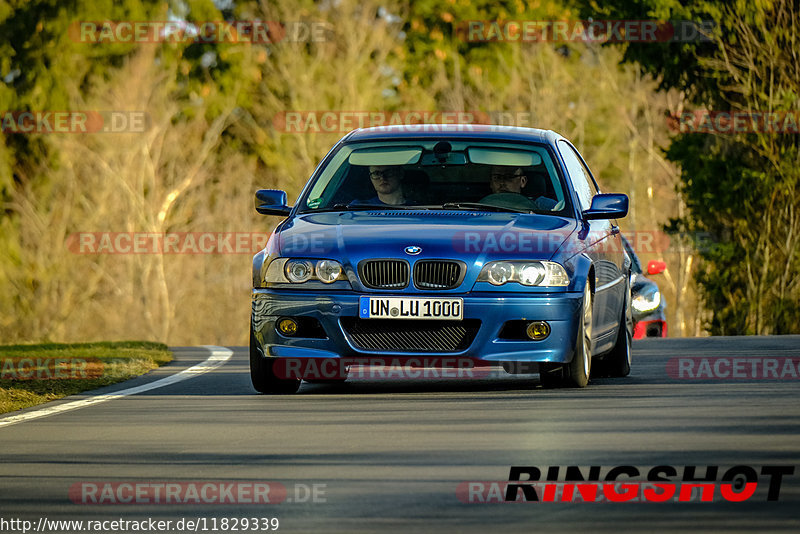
(649, 324)
(650, 328)
(561, 310)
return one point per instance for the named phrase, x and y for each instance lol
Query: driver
(387, 181)
(506, 184)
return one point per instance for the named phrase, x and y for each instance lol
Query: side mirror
(656, 267)
(272, 202)
(607, 206)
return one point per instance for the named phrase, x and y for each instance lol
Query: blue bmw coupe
(482, 244)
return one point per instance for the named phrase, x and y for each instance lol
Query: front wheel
(576, 372)
(263, 377)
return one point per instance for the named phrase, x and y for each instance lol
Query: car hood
(470, 236)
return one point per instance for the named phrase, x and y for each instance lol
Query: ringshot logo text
(628, 483)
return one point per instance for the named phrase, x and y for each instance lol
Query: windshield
(443, 174)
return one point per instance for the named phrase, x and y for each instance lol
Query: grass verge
(34, 374)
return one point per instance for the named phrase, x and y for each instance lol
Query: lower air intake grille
(403, 335)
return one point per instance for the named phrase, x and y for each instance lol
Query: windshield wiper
(351, 206)
(481, 206)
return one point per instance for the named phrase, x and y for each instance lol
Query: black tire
(262, 376)
(574, 374)
(617, 363)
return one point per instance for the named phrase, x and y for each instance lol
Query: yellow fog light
(538, 330)
(287, 327)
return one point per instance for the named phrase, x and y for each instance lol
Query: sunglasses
(507, 177)
(377, 175)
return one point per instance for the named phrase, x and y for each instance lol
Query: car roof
(473, 131)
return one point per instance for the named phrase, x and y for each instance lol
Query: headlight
(527, 273)
(531, 274)
(647, 300)
(328, 270)
(499, 272)
(298, 270)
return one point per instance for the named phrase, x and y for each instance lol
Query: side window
(636, 267)
(579, 175)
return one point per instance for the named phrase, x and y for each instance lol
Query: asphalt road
(390, 455)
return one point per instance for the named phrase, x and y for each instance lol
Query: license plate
(411, 308)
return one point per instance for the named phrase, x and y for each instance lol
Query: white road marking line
(219, 355)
